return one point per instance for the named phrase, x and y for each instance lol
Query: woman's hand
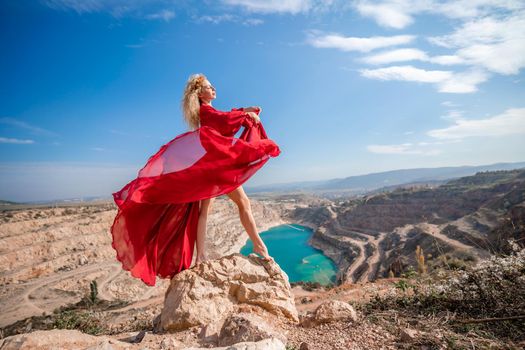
(254, 116)
(255, 109)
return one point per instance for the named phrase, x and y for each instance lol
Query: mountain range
(361, 184)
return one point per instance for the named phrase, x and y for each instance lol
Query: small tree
(94, 292)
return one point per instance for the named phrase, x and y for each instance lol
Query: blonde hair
(191, 103)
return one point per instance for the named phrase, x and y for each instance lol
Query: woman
(199, 88)
(163, 212)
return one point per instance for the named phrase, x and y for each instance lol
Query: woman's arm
(252, 112)
(255, 109)
(226, 122)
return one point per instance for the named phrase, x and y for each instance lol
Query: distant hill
(2, 202)
(364, 183)
(9, 205)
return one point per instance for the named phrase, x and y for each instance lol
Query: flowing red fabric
(155, 228)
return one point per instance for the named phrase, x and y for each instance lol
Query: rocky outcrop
(212, 291)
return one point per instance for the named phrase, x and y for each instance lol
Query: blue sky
(91, 89)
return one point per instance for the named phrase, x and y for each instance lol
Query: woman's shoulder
(207, 109)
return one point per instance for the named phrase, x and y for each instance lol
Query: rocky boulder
(245, 327)
(213, 290)
(330, 311)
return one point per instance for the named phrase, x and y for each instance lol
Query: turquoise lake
(287, 244)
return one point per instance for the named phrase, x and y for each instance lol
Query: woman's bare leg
(245, 213)
(205, 206)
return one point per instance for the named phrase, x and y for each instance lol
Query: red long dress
(155, 229)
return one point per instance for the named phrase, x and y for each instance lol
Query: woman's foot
(263, 251)
(201, 258)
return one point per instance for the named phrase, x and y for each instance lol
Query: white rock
(211, 291)
(244, 327)
(329, 311)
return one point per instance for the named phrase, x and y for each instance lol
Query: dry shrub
(494, 288)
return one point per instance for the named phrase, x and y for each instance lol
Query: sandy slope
(49, 256)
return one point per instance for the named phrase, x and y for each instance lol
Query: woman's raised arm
(227, 122)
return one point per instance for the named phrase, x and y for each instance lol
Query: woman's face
(207, 92)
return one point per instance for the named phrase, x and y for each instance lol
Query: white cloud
(343, 43)
(447, 60)
(497, 44)
(165, 15)
(464, 82)
(35, 130)
(447, 81)
(141, 8)
(216, 19)
(386, 14)
(411, 54)
(230, 18)
(252, 22)
(399, 14)
(398, 55)
(512, 121)
(453, 115)
(77, 5)
(449, 104)
(407, 73)
(505, 58)
(489, 38)
(116, 8)
(269, 6)
(424, 143)
(15, 141)
(474, 8)
(405, 148)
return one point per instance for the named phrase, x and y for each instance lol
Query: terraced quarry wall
(461, 221)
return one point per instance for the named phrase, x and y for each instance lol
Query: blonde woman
(197, 102)
(163, 212)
